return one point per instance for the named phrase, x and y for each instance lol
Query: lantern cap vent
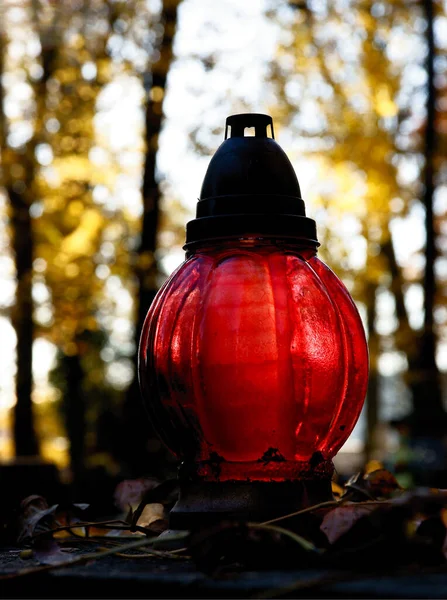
(250, 187)
(237, 124)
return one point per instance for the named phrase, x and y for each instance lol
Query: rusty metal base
(204, 503)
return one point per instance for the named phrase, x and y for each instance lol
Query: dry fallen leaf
(131, 491)
(36, 517)
(337, 490)
(340, 520)
(150, 514)
(372, 465)
(166, 493)
(381, 484)
(373, 485)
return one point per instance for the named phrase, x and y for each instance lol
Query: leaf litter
(371, 526)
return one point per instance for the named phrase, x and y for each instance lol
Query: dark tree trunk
(22, 320)
(429, 183)
(74, 406)
(141, 449)
(397, 287)
(147, 272)
(373, 397)
(20, 197)
(25, 439)
(428, 415)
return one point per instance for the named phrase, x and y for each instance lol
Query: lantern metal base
(202, 504)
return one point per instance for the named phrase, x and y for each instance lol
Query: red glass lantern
(253, 359)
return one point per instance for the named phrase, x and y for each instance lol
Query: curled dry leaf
(152, 518)
(131, 491)
(159, 526)
(36, 516)
(31, 504)
(355, 488)
(340, 520)
(150, 514)
(166, 494)
(373, 485)
(70, 516)
(337, 491)
(408, 529)
(381, 484)
(373, 465)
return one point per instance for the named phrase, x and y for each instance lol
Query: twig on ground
(326, 504)
(116, 524)
(308, 546)
(329, 503)
(152, 553)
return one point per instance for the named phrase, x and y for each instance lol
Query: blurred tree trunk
(18, 179)
(22, 320)
(141, 444)
(147, 265)
(373, 395)
(397, 281)
(18, 193)
(75, 188)
(403, 337)
(428, 414)
(71, 367)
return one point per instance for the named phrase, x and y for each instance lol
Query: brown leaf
(32, 503)
(159, 526)
(131, 491)
(70, 516)
(372, 465)
(151, 513)
(374, 485)
(36, 517)
(381, 484)
(355, 488)
(337, 491)
(165, 494)
(340, 520)
(407, 529)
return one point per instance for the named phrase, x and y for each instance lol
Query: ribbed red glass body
(253, 358)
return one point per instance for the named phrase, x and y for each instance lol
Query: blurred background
(109, 113)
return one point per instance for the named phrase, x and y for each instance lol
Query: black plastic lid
(250, 188)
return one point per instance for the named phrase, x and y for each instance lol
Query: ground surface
(114, 577)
